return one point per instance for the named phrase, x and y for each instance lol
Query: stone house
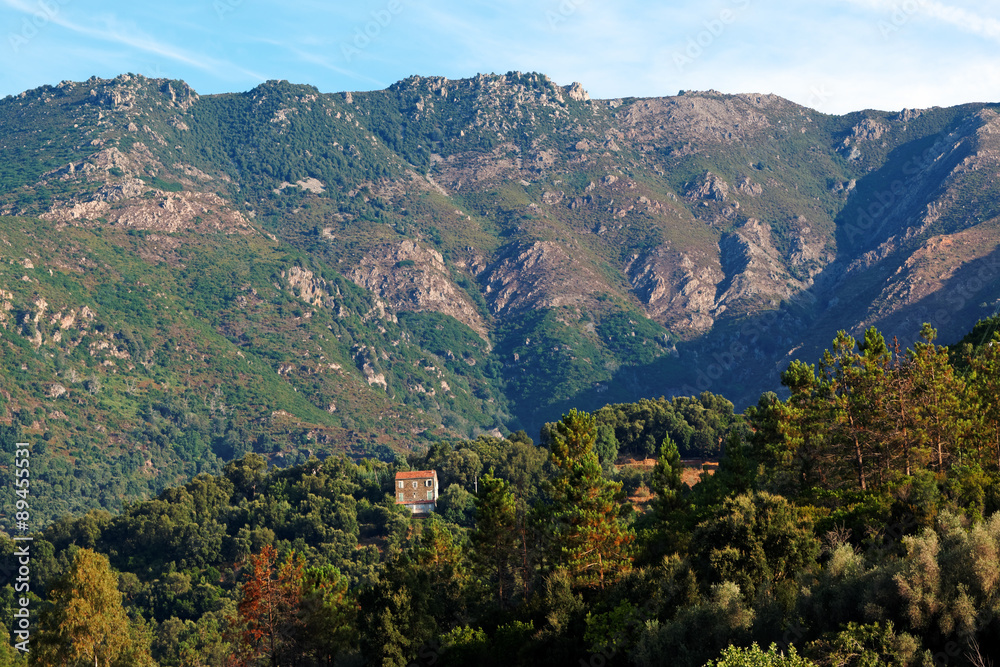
(417, 490)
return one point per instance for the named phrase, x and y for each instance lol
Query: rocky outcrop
(709, 186)
(808, 252)
(408, 276)
(314, 290)
(575, 91)
(125, 199)
(42, 324)
(320, 293)
(166, 212)
(313, 185)
(366, 359)
(869, 130)
(755, 270)
(540, 275)
(674, 289)
(469, 168)
(748, 187)
(700, 118)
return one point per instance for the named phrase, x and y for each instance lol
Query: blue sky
(832, 55)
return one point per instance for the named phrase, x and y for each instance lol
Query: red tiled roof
(416, 474)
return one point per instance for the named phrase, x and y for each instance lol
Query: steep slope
(286, 270)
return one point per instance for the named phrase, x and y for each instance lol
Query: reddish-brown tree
(268, 621)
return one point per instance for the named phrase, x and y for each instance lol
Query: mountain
(189, 278)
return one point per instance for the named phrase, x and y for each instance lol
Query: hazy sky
(832, 55)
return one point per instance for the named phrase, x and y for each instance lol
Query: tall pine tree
(588, 535)
(666, 482)
(984, 394)
(938, 394)
(495, 537)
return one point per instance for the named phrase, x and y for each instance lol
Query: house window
(430, 495)
(427, 482)
(414, 484)
(400, 497)
(401, 485)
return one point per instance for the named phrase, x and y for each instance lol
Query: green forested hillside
(855, 522)
(158, 371)
(226, 321)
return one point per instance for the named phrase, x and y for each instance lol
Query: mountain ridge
(377, 270)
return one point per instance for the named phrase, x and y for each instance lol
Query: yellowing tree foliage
(86, 624)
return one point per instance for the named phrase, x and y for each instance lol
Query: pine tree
(937, 396)
(588, 537)
(901, 417)
(852, 420)
(666, 482)
(857, 384)
(328, 614)
(799, 421)
(526, 530)
(874, 386)
(495, 537)
(86, 623)
(984, 390)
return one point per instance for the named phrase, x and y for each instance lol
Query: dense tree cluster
(698, 425)
(870, 413)
(856, 522)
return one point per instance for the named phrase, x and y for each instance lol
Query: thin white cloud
(976, 24)
(929, 52)
(898, 14)
(130, 36)
(325, 63)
